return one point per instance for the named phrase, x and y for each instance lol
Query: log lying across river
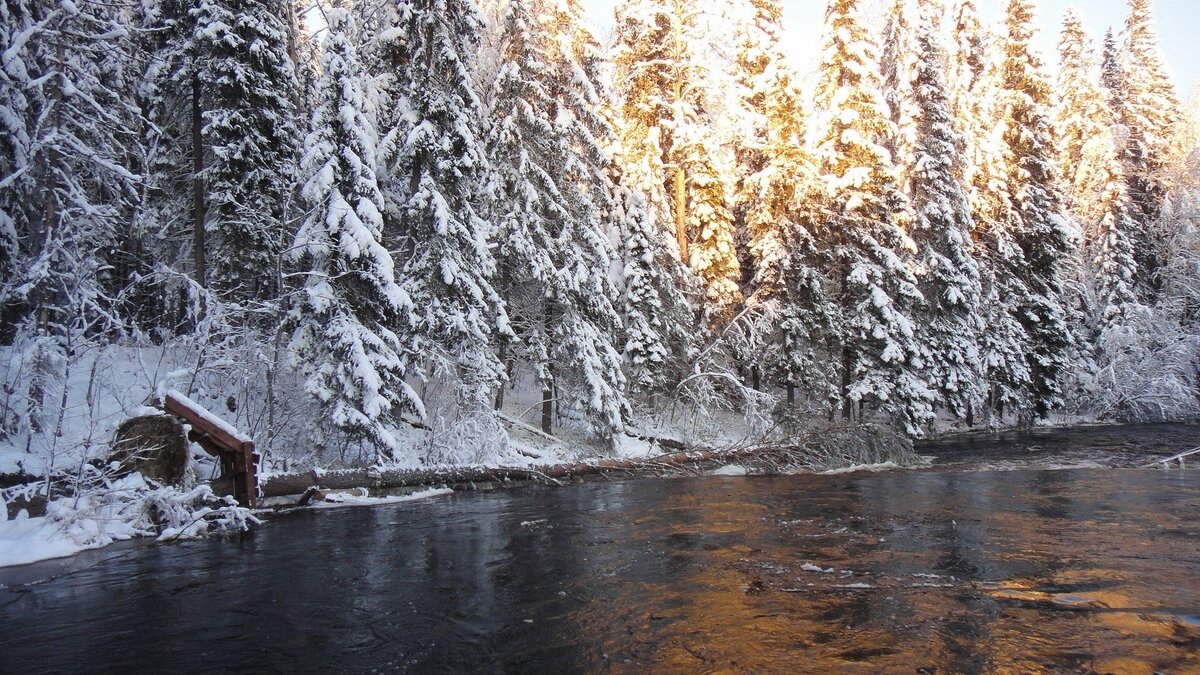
(828, 448)
(297, 483)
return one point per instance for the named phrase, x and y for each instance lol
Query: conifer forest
(441, 232)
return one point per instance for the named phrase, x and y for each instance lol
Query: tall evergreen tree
(249, 129)
(881, 358)
(967, 64)
(655, 314)
(713, 251)
(219, 95)
(1150, 107)
(1097, 194)
(171, 213)
(654, 310)
(352, 340)
(665, 75)
(553, 258)
(975, 79)
(1084, 122)
(1111, 76)
(438, 176)
(775, 198)
(948, 274)
(652, 71)
(1042, 233)
(776, 164)
(899, 63)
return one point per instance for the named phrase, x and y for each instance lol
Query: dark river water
(971, 565)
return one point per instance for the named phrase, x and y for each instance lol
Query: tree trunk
(681, 214)
(847, 404)
(198, 238)
(791, 395)
(293, 47)
(42, 296)
(680, 183)
(547, 409)
(499, 403)
(294, 484)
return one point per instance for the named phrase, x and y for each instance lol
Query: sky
(1177, 23)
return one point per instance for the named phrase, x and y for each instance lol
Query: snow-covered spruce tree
(582, 67)
(1150, 109)
(665, 75)
(974, 82)
(647, 70)
(967, 63)
(775, 164)
(247, 83)
(774, 198)
(170, 214)
(658, 339)
(438, 177)
(1084, 123)
(881, 357)
(1111, 76)
(809, 327)
(1042, 234)
(65, 190)
(947, 272)
(1096, 193)
(552, 257)
(346, 341)
(898, 64)
(657, 317)
(713, 251)
(219, 93)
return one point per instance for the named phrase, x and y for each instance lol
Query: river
(988, 560)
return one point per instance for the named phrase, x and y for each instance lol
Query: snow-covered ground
(128, 508)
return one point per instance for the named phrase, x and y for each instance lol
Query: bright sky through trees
(1176, 19)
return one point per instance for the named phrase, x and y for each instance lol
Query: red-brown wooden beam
(235, 452)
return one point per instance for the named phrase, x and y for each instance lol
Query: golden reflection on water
(833, 579)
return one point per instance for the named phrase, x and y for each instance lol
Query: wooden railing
(221, 440)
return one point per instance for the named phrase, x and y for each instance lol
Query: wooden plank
(237, 456)
(200, 422)
(247, 479)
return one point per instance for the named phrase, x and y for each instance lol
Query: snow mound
(339, 500)
(27, 540)
(882, 466)
(127, 508)
(731, 470)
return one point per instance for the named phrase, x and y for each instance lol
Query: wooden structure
(236, 451)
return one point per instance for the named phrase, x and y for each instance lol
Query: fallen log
(298, 483)
(802, 451)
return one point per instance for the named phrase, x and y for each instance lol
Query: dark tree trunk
(499, 403)
(547, 409)
(198, 238)
(847, 404)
